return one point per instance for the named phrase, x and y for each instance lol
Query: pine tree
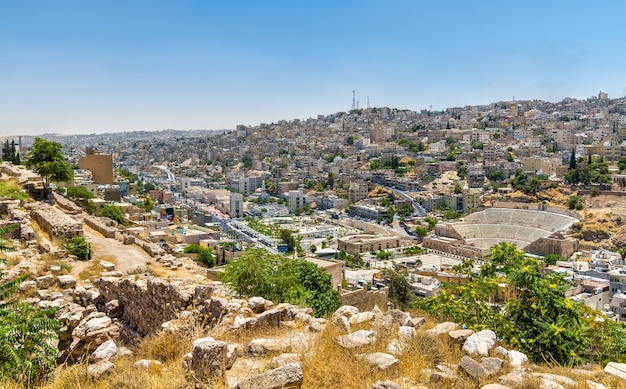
(572, 160)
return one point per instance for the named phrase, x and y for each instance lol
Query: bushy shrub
(205, 254)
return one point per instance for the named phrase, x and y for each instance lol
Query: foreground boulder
(287, 376)
(206, 361)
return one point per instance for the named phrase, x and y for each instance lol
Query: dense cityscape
(395, 207)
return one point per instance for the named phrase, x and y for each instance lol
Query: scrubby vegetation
(205, 254)
(539, 321)
(78, 246)
(26, 333)
(279, 279)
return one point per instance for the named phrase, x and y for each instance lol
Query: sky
(78, 67)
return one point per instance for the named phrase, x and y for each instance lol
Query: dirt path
(124, 257)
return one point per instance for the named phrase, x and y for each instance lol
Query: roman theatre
(536, 231)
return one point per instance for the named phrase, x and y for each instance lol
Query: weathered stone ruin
(56, 223)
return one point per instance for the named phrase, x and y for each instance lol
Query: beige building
(100, 166)
(363, 243)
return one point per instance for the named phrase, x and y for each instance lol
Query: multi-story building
(236, 205)
(295, 200)
(100, 165)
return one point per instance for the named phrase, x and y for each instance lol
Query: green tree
(287, 237)
(205, 254)
(401, 292)
(575, 202)
(46, 158)
(78, 246)
(113, 212)
(279, 279)
(82, 196)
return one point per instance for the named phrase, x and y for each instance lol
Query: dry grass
(326, 365)
(92, 271)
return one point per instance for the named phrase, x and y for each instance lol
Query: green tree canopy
(280, 279)
(47, 159)
(113, 212)
(539, 321)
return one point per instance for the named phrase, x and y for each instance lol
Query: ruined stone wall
(147, 303)
(54, 222)
(447, 230)
(100, 226)
(453, 247)
(545, 246)
(366, 299)
(67, 204)
(24, 231)
(11, 170)
(152, 249)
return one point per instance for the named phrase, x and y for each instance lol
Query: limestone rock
(342, 323)
(105, 352)
(399, 317)
(234, 351)
(595, 385)
(257, 304)
(361, 317)
(480, 343)
(356, 339)
(492, 365)
(113, 309)
(287, 376)
(502, 351)
(107, 266)
(346, 310)
(514, 378)
(45, 282)
(385, 385)
(616, 370)
(545, 383)
(27, 285)
(472, 368)
(261, 346)
(382, 361)
(495, 386)
(460, 336)
(516, 358)
(206, 361)
(442, 328)
(284, 359)
(145, 363)
(100, 369)
(406, 332)
(66, 281)
(566, 381)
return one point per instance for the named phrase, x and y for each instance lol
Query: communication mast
(353, 99)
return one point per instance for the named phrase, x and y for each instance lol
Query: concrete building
(100, 166)
(295, 200)
(236, 205)
(364, 243)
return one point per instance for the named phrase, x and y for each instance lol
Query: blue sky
(109, 66)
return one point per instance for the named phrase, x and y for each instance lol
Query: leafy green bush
(540, 321)
(78, 246)
(205, 254)
(25, 336)
(279, 279)
(113, 212)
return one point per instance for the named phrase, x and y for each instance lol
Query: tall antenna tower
(368, 102)
(353, 99)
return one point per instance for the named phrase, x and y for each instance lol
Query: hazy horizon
(74, 67)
